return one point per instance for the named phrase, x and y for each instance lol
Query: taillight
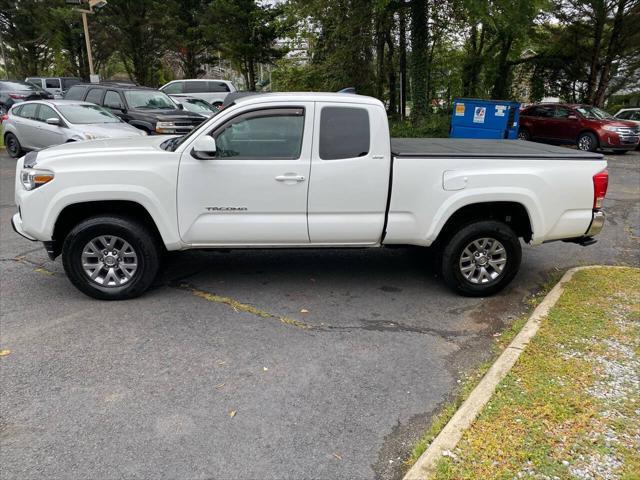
(600, 184)
(17, 96)
(4, 117)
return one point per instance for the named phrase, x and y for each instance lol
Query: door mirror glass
(204, 148)
(53, 121)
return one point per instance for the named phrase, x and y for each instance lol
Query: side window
(218, 87)
(195, 87)
(16, 110)
(635, 116)
(562, 112)
(176, 87)
(112, 100)
(29, 111)
(545, 112)
(52, 83)
(344, 133)
(46, 112)
(273, 134)
(75, 93)
(94, 96)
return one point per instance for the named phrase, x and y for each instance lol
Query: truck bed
(477, 148)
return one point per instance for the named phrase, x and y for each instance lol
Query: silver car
(45, 123)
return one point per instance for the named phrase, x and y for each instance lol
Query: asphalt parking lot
(272, 364)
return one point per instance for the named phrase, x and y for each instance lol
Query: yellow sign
(459, 109)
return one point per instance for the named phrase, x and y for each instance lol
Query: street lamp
(92, 4)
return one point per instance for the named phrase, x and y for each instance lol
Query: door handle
(290, 178)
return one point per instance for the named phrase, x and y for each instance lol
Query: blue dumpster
(476, 118)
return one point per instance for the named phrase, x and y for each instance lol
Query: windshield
(148, 99)
(198, 106)
(87, 114)
(594, 113)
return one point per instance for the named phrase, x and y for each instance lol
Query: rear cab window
(345, 132)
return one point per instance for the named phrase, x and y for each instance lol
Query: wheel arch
(512, 213)
(74, 213)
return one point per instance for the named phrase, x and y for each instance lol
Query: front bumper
(16, 223)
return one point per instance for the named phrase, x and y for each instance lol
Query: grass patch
(569, 407)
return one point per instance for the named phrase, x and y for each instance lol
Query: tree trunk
(600, 18)
(391, 73)
(379, 56)
(402, 60)
(613, 50)
(419, 61)
(500, 89)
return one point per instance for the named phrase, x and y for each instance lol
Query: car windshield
(87, 114)
(18, 86)
(148, 99)
(198, 106)
(594, 113)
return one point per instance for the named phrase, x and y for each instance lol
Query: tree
(187, 36)
(247, 34)
(141, 35)
(25, 28)
(419, 58)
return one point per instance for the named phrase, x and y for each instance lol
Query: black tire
(523, 134)
(14, 149)
(138, 236)
(587, 142)
(459, 241)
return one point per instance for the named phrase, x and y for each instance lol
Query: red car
(587, 127)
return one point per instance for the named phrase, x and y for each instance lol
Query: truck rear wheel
(481, 258)
(111, 257)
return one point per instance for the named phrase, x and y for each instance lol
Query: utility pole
(85, 24)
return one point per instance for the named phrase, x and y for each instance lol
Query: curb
(462, 419)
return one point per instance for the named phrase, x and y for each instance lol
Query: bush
(435, 126)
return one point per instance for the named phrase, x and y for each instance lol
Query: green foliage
(435, 125)
(246, 32)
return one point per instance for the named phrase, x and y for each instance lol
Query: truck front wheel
(481, 258)
(111, 257)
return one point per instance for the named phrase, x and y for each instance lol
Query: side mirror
(53, 121)
(204, 148)
(120, 108)
(180, 106)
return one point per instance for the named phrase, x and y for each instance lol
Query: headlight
(165, 127)
(32, 179)
(612, 128)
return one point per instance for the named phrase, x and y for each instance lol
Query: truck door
(253, 191)
(349, 174)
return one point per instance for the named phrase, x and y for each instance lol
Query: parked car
(303, 170)
(44, 123)
(14, 91)
(196, 105)
(589, 128)
(56, 86)
(629, 114)
(144, 108)
(213, 91)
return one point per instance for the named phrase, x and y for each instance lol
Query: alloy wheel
(483, 260)
(109, 261)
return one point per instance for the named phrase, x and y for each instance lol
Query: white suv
(213, 91)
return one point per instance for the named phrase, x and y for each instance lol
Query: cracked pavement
(334, 361)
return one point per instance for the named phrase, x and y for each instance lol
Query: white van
(213, 91)
(56, 86)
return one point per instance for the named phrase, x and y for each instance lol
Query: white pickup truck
(303, 170)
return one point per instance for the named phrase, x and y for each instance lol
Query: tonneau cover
(482, 148)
